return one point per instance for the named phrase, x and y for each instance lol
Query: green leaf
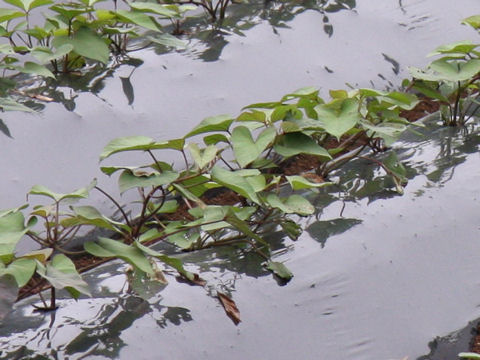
(460, 47)
(128, 180)
(197, 185)
(456, 70)
(211, 124)
(170, 261)
(294, 204)
(243, 227)
(188, 194)
(298, 143)
(77, 194)
(234, 182)
(338, 94)
(44, 54)
(113, 248)
(202, 157)
(62, 274)
(183, 239)
(88, 215)
(429, 91)
(245, 148)
(41, 255)
(138, 18)
(9, 14)
(469, 355)
(256, 116)
(136, 143)
(292, 229)
(215, 139)
(280, 270)
(12, 229)
(35, 69)
(403, 100)
(86, 43)
(299, 183)
(158, 9)
(21, 269)
(66, 14)
(445, 69)
(129, 143)
(338, 122)
(211, 218)
(303, 92)
(8, 104)
(473, 21)
(258, 182)
(388, 131)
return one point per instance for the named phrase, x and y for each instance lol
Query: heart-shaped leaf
(280, 270)
(233, 181)
(128, 180)
(21, 269)
(62, 274)
(112, 248)
(86, 43)
(203, 157)
(57, 197)
(212, 124)
(245, 148)
(294, 204)
(12, 229)
(337, 122)
(292, 144)
(136, 143)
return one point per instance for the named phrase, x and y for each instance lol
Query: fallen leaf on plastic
(196, 280)
(42, 97)
(230, 307)
(36, 96)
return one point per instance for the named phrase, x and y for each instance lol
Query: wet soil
(475, 344)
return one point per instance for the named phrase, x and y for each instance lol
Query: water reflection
(83, 333)
(434, 153)
(67, 87)
(448, 347)
(98, 327)
(322, 230)
(208, 41)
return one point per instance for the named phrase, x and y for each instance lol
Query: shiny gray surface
(381, 283)
(405, 272)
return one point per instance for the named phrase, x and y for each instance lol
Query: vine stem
(116, 204)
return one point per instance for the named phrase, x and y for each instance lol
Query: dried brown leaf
(42, 97)
(36, 96)
(197, 280)
(230, 307)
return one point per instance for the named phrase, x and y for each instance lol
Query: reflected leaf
(8, 294)
(144, 285)
(128, 89)
(322, 230)
(4, 129)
